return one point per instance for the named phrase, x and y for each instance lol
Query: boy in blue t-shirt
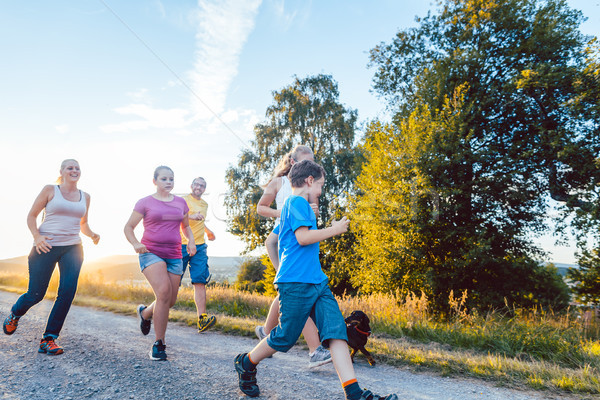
(303, 288)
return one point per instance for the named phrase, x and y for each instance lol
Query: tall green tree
(587, 218)
(586, 278)
(499, 82)
(308, 112)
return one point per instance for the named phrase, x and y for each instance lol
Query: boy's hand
(341, 225)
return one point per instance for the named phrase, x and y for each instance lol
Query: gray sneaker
(319, 357)
(260, 332)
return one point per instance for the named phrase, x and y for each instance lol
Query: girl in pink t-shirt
(160, 252)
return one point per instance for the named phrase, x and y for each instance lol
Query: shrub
(268, 276)
(250, 276)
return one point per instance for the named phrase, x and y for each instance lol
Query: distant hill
(563, 268)
(14, 265)
(126, 268)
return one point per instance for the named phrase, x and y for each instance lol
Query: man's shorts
(174, 265)
(198, 263)
(297, 302)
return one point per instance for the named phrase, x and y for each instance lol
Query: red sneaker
(10, 324)
(49, 346)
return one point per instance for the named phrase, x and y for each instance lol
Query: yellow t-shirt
(195, 206)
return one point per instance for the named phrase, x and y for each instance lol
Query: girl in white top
(55, 241)
(278, 189)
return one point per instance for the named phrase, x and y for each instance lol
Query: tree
(268, 276)
(587, 278)
(249, 277)
(306, 112)
(498, 82)
(586, 220)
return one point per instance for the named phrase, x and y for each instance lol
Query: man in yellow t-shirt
(199, 262)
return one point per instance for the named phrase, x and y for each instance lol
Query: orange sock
(250, 359)
(350, 382)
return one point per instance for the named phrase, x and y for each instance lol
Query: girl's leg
(148, 312)
(41, 267)
(160, 280)
(69, 265)
(311, 335)
(273, 317)
(272, 250)
(175, 285)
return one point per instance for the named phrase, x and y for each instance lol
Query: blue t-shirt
(297, 263)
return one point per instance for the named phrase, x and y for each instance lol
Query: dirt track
(106, 357)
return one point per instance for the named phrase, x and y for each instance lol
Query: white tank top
(284, 192)
(62, 218)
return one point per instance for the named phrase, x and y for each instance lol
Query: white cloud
(161, 8)
(223, 28)
(174, 118)
(286, 18)
(139, 95)
(63, 129)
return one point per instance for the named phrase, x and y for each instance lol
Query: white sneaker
(260, 332)
(319, 357)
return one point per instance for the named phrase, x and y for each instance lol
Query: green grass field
(517, 348)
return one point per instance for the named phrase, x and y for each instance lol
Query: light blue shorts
(174, 265)
(297, 302)
(198, 264)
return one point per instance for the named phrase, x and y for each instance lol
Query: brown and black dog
(358, 329)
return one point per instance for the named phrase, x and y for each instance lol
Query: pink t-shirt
(162, 220)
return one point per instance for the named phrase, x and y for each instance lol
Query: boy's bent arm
(305, 236)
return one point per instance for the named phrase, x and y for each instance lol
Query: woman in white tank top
(278, 189)
(55, 241)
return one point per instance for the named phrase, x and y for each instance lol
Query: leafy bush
(250, 276)
(268, 276)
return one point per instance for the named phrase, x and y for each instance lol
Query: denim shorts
(198, 264)
(297, 302)
(174, 265)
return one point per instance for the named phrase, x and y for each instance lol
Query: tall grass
(532, 346)
(525, 334)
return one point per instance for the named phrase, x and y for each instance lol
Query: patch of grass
(520, 348)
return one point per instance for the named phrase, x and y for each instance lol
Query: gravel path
(106, 357)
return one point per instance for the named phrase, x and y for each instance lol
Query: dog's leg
(370, 358)
(352, 354)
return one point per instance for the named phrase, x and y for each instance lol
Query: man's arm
(210, 234)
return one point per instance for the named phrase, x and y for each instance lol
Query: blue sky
(124, 86)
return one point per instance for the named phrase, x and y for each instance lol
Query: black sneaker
(368, 395)
(158, 352)
(145, 324)
(247, 379)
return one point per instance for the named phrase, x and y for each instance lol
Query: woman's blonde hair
(285, 164)
(63, 164)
